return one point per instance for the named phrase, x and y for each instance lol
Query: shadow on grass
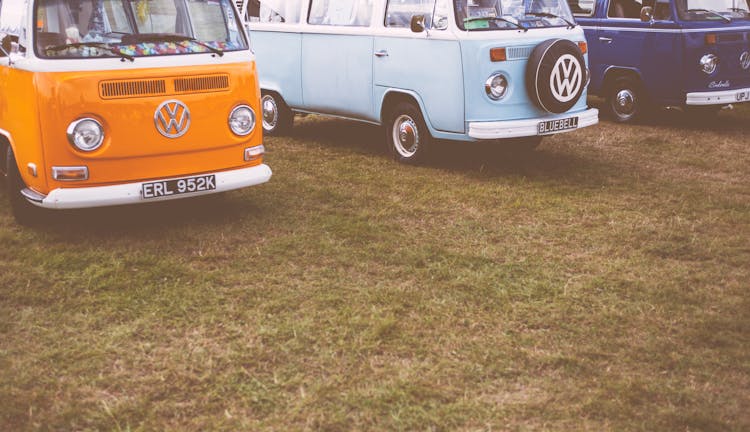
(475, 159)
(725, 122)
(147, 220)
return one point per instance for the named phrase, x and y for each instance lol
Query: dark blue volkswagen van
(693, 54)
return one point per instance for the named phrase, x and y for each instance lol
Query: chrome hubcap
(270, 112)
(405, 136)
(625, 102)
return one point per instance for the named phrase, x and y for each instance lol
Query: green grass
(600, 283)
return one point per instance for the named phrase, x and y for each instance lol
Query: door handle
(381, 53)
(605, 39)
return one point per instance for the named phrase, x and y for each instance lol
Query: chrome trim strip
(716, 97)
(527, 127)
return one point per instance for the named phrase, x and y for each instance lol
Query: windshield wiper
(551, 15)
(727, 19)
(105, 46)
(168, 37)
(468, 20)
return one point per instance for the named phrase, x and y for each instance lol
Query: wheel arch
(393, 96)
(614, 72)
(5, 143)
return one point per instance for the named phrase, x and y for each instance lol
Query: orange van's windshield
(135, 28)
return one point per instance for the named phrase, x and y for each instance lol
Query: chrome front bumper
(130, 193)
(718, 97)
(527, 127)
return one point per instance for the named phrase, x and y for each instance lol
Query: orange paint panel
(133, 149)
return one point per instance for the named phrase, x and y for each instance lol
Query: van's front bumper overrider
(130, 193)
(722, 97)
(527, 127)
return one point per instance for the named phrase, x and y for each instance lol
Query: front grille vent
(118, 89)
(201, 83)
(515, 53)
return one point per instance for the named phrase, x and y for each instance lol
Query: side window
(276, 11)
(398, 13)
(625, 9)
(583, 8)
(355, 13)
(11, 17)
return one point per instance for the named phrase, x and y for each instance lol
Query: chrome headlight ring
(496, 86)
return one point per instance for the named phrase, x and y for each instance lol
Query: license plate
(178, 186)
(552, 126)
(743, 96)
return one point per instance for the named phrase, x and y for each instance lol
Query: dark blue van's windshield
(511, 14)
(713, 10)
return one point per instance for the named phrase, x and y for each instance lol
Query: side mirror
(417, 23)
(5, 44)
(647, 14)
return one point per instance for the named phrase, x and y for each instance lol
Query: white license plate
(743, 96)
(179, 186)
(552, 126)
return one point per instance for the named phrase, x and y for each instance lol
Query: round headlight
(496, 86)
(86, 134)
(708, 63)
(242, 120)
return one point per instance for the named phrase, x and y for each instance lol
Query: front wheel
(625, 100)
(278, 118)
(23, 211)
(409, 140)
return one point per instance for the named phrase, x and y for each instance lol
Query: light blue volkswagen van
(465, 70)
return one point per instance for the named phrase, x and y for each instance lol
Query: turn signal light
(583, 46)
(498, 54)
(254, 153)
(70, 173)
(711, 39)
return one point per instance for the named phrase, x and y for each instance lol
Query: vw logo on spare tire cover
(556, 75)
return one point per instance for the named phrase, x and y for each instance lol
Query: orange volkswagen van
(109, 102)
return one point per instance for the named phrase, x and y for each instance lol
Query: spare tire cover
(556, 75)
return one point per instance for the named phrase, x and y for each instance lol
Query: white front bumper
(528, 127)
(718, 97)
(130, 193)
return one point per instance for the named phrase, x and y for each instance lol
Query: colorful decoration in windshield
(145, 49)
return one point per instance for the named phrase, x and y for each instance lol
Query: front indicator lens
(242, 120)
(254, 153)
(496, 86)
(70, 173)
(86, 134)
(708, 63)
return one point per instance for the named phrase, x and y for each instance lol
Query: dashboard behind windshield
(712, 10)
(511, 14)
(135, 28)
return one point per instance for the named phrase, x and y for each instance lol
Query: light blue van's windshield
(511, 14)
(135, 28)
(713, 10)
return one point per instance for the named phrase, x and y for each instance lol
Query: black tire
(409, 140)
(276, 116)
(23, 211)
(558, 58)
(625, 100)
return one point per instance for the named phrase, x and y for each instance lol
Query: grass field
(600, 283)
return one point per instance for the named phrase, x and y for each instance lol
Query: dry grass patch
(599, 283)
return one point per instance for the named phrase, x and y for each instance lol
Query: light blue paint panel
(337, 75)
(429, 68)
(278, 56)
(516, 105)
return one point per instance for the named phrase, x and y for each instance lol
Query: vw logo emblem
(172, 118)
(566, 78)
(745, 60)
